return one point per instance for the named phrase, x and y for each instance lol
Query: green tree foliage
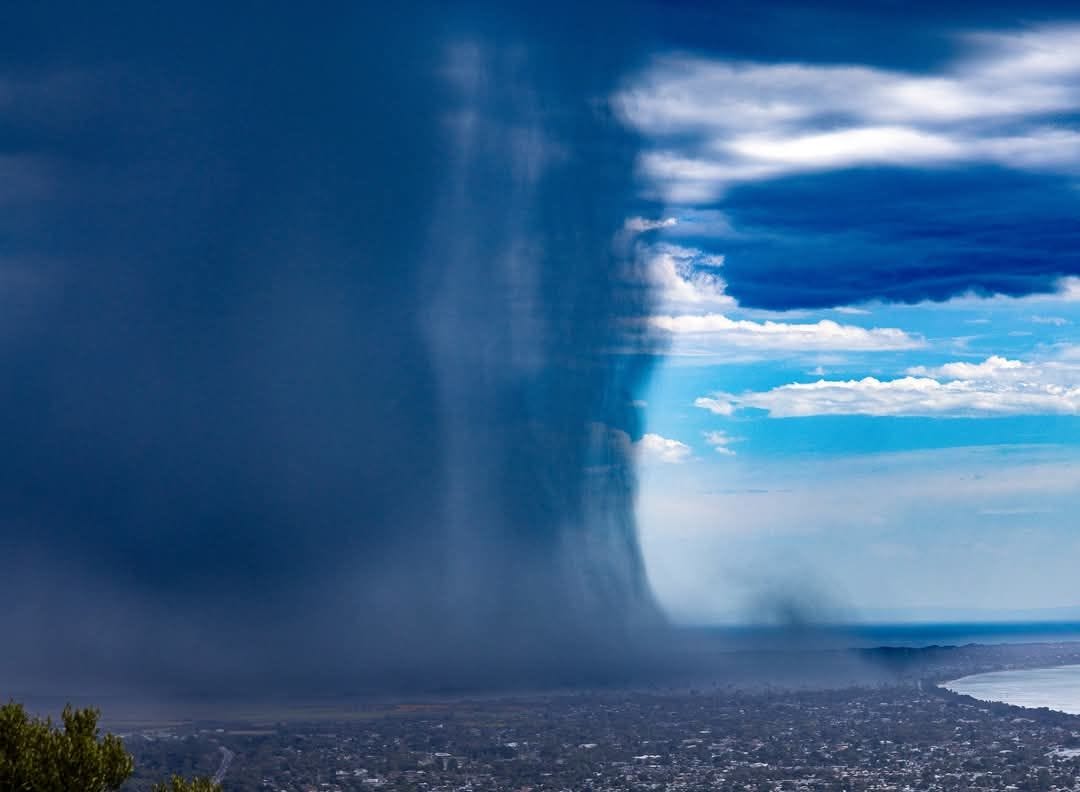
(178, 784)
(35, 756)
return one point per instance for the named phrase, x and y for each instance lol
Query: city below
(883, 721)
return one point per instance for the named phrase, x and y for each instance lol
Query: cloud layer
(993, 388)
(756, 121)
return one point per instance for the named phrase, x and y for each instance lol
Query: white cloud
(816, 336)
(1066, 290)
(1069, 289)
(641, 224)
(1056, 321)
(994, 367)
(715, 406)
(654, 448)
(720, 442)
(995, 387)
(860, 146)
(720, 123)
(684, 277)
(702, 223)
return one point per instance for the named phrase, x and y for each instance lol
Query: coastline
(1054, 687)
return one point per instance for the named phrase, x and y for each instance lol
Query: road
(226, 760)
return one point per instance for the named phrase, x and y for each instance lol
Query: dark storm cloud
(310, 357)
(900, 235)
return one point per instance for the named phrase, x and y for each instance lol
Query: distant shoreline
(1052, 687)
(872, 635)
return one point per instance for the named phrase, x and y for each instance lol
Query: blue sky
(868, 291)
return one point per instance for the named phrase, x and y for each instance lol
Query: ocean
(1056, 688)
(866, 636)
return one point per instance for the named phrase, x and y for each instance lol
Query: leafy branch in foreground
(36, 756)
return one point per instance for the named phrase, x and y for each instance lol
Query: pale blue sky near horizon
(970, 514)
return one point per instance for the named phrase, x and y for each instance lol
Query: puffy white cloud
(654, 448)
(995, 387)
(813, 336)
(994, 367)
(720, 123)
(685, 277)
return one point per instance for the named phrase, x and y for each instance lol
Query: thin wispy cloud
(720, 442)
(643, 224)
(718, 330)
(1066, 290)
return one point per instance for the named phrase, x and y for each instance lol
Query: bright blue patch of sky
(868, 285)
